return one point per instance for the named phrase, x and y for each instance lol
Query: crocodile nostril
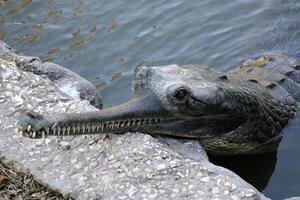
(143, 72)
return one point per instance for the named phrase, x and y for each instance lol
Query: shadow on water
(255, 169)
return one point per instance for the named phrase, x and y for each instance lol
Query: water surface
(105, 40)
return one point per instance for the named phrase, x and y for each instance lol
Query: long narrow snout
(135, 115)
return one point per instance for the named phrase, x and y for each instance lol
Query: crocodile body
(242, 111)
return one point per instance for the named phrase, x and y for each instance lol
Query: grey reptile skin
(242, 111)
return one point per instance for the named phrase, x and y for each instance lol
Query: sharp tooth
(97, 127)
(78, 129)
(83, 129)
(54, 130)
(58, 131)
(73, 129)
(28, 127)
(21, 133)
(117, 125)
(102, 127)
(89, 128)
(68, 130)
(63, 131)
(128, 123)
(93, 128)
(48, 130)
(43, 134)
(33, 134)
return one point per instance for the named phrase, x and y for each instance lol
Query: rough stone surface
(128, 166)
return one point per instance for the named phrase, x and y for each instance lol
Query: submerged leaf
(116, 76)
(25, 3)
(113, 26)
(54, 51)
(79, 42)
(140, 63)
(2, 35)
(76, 32)
(2, 21)
(49, 60)
(32, 39)
(94, 29)
(100, 85)
(13, 11)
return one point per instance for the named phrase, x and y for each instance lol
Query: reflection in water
(255, 169)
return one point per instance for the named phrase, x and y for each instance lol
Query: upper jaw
(137, 114)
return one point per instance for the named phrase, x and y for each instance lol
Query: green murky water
(104, 41)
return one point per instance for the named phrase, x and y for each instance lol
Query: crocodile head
(189, 101)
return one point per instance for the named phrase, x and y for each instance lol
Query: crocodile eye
(180, 94)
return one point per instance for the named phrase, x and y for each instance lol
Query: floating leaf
(113, 26)
(25, 3)
(2, 35)
(13, 11)
(54, 51)
(76, 32)
(79, 42)
(116, 76)
(55, 14)
(140, 63)
(100, 85)
(2, 21)
(49, 60)
(32, 39)
(77, 8)
(16, 38)
(94, 29)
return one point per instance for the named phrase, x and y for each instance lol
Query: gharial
(242, 111)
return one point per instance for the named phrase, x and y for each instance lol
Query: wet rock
(128, 166)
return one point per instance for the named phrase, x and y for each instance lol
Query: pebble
(215, 190)
(204, 179)
(161, 167)
(233, 187)
(226, 192)
(93, 164)
(180, 174)
(65, 145)
(235, 197)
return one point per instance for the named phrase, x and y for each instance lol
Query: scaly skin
(239, 112)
